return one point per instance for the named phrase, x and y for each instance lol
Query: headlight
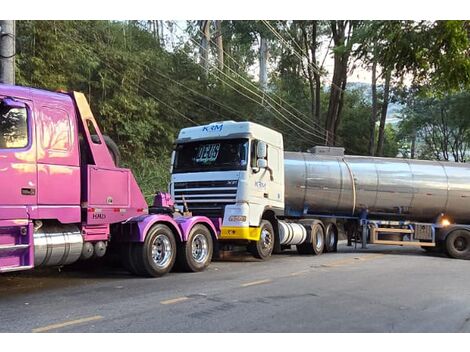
(237, 218)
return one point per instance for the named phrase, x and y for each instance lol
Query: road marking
(299, 273)
(67, 323)
(175, 300)
(256, 283)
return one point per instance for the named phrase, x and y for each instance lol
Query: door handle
(28, 191)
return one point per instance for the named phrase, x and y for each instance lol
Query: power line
(282, 120)
(281, 38)
(269, 97)
(131, 82)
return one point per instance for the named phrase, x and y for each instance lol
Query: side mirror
(12, 104)
(261, 150)
(262, 163)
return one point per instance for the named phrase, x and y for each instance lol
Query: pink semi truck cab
(63, 199)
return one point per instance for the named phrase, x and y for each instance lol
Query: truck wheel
(156, 256)
(263, 248)
(331, 238)
(318, 238)
(196, 253)
(127, 257)
(458, 244)
(317, 243)
(112, 147)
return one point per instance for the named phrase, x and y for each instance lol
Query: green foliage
(142, 94)
(441, 125)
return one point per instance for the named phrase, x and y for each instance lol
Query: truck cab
(234, 172)
(63, 197)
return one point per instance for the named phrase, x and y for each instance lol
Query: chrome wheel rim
(266, 239)
(161, 251)
(199, 248)
(319, 239)
(331, 238)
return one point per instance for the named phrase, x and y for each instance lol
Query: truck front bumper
(240, 233)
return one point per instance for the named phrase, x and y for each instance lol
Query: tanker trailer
(269, 200)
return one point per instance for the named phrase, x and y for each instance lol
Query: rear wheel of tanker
(317, 244)
(263, 248)
(156, 256)
(331, 238)
(318, 239)
(458, 244)
(196, 253)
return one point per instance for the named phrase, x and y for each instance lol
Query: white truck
(238, 174)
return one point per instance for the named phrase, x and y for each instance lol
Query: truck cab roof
(230, 129)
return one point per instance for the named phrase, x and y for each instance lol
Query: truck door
(58, 161)
(18, 169)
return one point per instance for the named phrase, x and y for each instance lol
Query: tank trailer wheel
(153, 258)
(263, 248)
(457, 244)
(196, 253)
(331, 238)
(317, 244)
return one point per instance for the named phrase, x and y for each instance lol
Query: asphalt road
(383, 289)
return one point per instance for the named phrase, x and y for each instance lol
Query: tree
(341, 34)
(442, 124)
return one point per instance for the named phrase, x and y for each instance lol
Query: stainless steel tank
(319, 183)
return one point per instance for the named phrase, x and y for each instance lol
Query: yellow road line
(67, 323)
(175, 300)
(256, 283)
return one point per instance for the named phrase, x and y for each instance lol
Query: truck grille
(207, 198)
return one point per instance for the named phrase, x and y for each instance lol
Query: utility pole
(7, 51)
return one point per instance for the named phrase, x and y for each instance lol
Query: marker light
(445, 222)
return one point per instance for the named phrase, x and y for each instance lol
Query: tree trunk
(373, 116)
(220, 45)
(338, 84)
(383, 115)
(204, 49)
(263, 60)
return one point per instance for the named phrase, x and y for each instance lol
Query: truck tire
(112, 147)
(457, 244)
(196, 253)
(127, 257)
(317, 243)
(263, 248)
(156, 256)
(331, 238)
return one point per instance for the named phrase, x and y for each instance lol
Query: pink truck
(63, 197)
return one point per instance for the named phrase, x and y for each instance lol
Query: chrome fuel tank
(346, 185)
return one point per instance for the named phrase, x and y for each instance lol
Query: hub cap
(266, 239)
(319, 238)
(161, 251)
(199, 248)
(461, 243)
(332, 238)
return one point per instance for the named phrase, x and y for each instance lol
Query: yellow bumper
(240, 233)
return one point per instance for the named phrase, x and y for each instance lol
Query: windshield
(214, 155)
